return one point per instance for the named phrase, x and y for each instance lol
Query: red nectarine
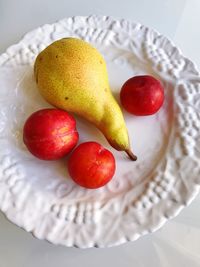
(50, 134)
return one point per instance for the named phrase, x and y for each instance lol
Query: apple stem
(131, 155)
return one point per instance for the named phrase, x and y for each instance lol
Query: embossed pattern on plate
(40, 197)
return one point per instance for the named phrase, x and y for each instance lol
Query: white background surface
(178, 242)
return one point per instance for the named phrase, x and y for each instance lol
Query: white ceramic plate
(39, 195)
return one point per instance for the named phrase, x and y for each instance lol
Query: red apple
(50, 134)
(142, 95)
(91, 165)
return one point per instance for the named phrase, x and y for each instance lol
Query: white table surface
(178, 242)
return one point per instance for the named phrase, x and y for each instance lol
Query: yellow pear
(72, 75)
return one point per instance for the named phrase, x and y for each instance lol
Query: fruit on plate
(72, 75)
(50, 134)
(91, 165)
(142, 95)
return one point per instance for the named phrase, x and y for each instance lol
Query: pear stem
(131, 155)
